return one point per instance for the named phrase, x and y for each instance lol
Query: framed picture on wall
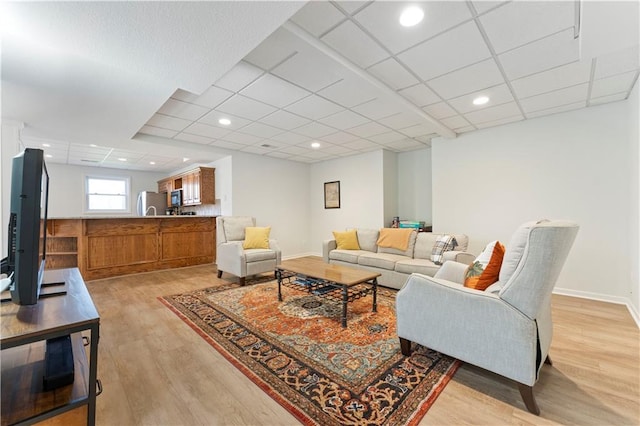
(332, 195)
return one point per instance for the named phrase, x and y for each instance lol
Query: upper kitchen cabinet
(197, 185)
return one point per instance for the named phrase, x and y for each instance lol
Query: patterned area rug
(297, 352)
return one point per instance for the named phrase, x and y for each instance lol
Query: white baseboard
(300, 255)
(603, 298)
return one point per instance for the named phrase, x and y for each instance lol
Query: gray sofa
(395, 265)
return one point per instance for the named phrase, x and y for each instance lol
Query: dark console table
(24, 331)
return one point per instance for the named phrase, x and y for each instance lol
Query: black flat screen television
(28, 225)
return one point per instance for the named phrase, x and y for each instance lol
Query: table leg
(279, 277)
(345, 299)
(375, 295)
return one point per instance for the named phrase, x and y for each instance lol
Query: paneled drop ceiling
(349, 78)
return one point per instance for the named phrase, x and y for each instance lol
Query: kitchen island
(103, 247)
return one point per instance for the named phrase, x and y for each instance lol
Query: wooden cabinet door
(166, 185)
(195, 187)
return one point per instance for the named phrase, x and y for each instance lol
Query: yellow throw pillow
(346, 240)
(256, 237)
(397, 238)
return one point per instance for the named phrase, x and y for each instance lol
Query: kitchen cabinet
(166, 185)
(197, 185)
(62, 243)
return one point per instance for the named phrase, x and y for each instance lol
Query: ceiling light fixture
(224, 121)
(411, 16)
(315, 145)
(49, 156)
(480, 100)
(122, 159)
(152, 162)
(93, 145)
(185, 159)
(46, 145)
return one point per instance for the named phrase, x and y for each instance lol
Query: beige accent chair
(232, 258)
(505, 329)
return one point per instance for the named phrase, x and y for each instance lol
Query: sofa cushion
(408, 252)
(256, 237)
(367, 239)
(421, 266)
(350, 256)
(485, 269)
(380, 260)
(234, 227)
(347, 240)
(443, 243)
(257, 255)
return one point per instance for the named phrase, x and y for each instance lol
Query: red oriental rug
(298, 353)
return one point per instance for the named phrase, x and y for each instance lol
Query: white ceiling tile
(256, 149)
(339, 137)
(439, 110)
(434, 57)
(193, 138)
(97, 150)
(500, 122)
(344, 120)
(261, 130)
(167, 122)
(184, 110)
(557, 49)
(278, 154)
(482, 6)
(498, 112)
(284, 120)
(393, 74)
(315, 130)
(310, 70)
(294, 150)
(553, 79)
(337, 150)
(201, 129)
(227, 145)
(314, 107)
(465, 129)
(385, 138)
(401, 120)
(246, 108)
(607, 99)
(212, 97)
(317, 17)
(273, 50)
(349, 92)
(242, 138)
(497, 95)
(420, 95)
(556, 98)
(368, 129)
(612, 85)
(239, 77)
(406, 144)
(555, 110)
(618, 62)
(467, 80)
(455, 122)
(378, 108)
(362, 145)
(183, 95)
(351, 6)
(275, 91)
(353, 43)
(156, 131)
(522, 22)
(290, 138)
(214, 116)
(381, 20)
(418, 130)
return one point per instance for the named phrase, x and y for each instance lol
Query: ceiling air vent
(84, 160)
(266, 145)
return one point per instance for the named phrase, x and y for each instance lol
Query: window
(107, 194)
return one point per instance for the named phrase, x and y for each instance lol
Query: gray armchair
(232, 258)
(505, 329)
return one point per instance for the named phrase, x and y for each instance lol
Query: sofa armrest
(458, 256)
(230, 258)
(327, 246)
(273, 245)
(452, 271)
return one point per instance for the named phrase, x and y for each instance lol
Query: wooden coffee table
(334, 282)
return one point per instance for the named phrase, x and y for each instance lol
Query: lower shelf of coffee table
(324, 288)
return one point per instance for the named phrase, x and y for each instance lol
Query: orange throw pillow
(485, 270)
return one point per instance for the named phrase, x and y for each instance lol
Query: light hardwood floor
(156, 371)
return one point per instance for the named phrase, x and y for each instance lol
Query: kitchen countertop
(134, 217)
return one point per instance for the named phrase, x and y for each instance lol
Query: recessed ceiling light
(93, 145)
(122, 159)
(46, 145)
(152, 162)
(49, 156)
(185, 159)
(315, 145)
(224, 121)
(411, 16)
(480, 100)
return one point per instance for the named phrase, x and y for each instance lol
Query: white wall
(276, 193)
(361, 196)
(66, 187)
(9, 147)
(571, 166)
(390, 186)
(634, 196)
(414, 185)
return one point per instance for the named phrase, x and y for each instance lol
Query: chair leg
(529, 400)
(548, 360)
(219, 273)
(405, 346)
(241, 280)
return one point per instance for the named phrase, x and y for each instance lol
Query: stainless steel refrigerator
(151, 203)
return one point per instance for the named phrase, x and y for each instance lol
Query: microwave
(176, 198)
